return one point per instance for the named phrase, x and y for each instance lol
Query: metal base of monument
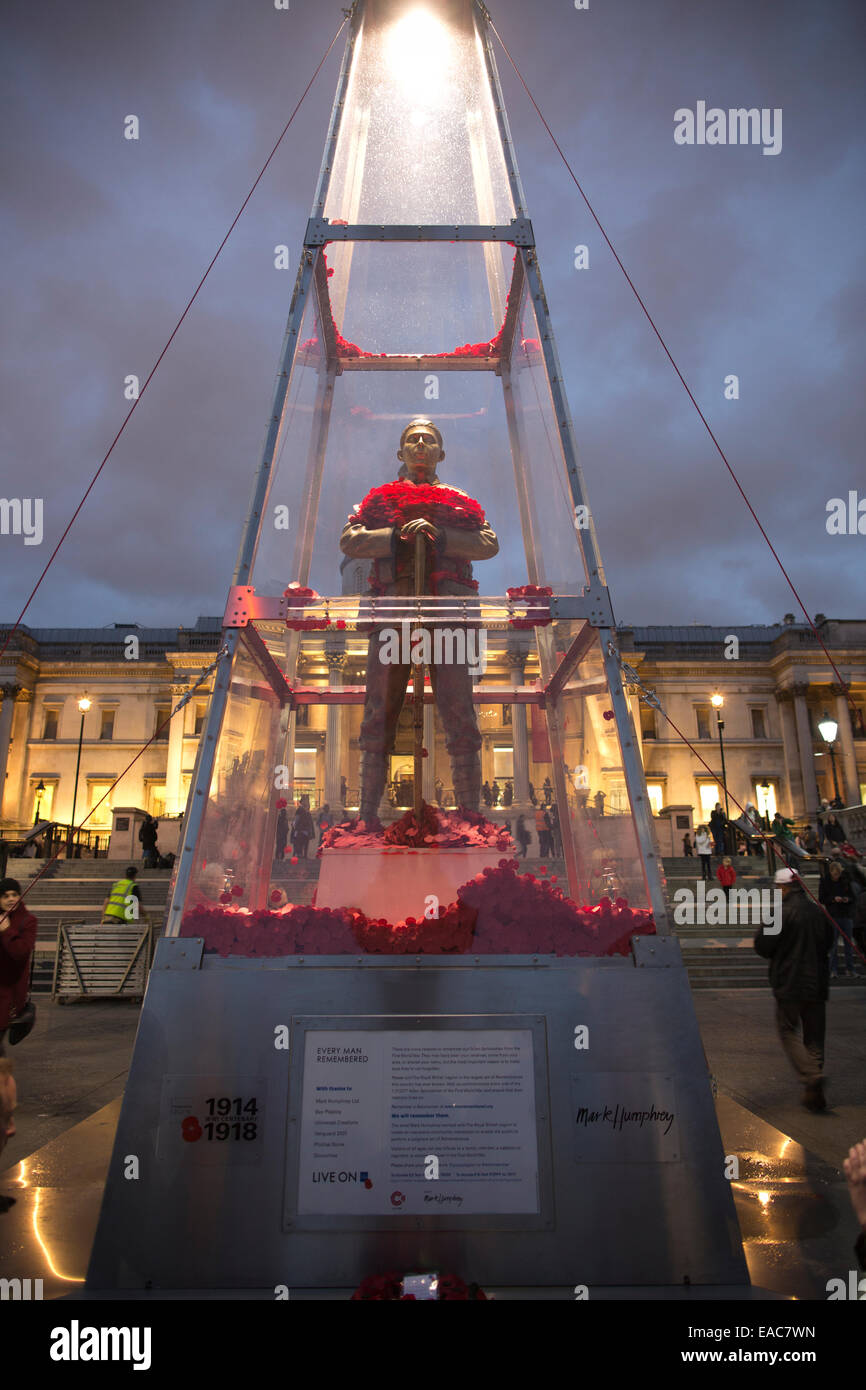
(285, 1114)
(393, 883)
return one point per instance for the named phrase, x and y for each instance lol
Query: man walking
(799, 978)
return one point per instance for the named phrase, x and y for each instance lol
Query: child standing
(727, 876)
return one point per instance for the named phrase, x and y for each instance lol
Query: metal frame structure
(594, 605)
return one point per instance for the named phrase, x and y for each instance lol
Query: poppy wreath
(395, 503)
(531, 592)
(388, 1288)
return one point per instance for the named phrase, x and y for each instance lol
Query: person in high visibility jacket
(118, 906)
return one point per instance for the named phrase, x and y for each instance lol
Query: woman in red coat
(17, 939)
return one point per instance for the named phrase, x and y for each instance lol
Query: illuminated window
(43, 802)
(656, 794)
(155, 799)
(101, 818)
(709, 793)
(305, 765)
(765, 798)
(503, 763)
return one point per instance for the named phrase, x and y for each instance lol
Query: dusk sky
(750, 263)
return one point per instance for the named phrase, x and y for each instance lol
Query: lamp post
(765, 788)
(828, 729)
(84, 706)
(40, 791)
(717, 703)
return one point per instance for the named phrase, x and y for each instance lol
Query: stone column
(174, 764)
(7, 711)
(336, 661)
(807, 752)
(793, 776)
(519, 736)
(847, 762)
(428, 779)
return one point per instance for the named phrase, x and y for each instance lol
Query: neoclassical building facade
(775, 682)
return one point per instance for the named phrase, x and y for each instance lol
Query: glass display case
(419, 740)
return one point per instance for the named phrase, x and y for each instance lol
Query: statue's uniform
(394, 574)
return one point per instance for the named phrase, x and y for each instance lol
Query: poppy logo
(366, 1180)
(397, 1199)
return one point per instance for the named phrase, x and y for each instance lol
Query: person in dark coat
(717, 830)
(17, 940)
(837, 895)
(833, 831)
(303, 829)
(799, 977)
(282, 834)
(148, 836)
(522, 835)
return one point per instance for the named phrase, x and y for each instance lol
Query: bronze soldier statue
(393, 548)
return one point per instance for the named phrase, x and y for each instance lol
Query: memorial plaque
(417, 1121)
(624, 1117)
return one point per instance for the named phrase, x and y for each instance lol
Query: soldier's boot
(372, 786)
(466, 774)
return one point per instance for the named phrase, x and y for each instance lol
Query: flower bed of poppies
(498, 912)
(438, 829)
(393, 504)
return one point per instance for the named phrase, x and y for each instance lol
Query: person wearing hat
(799, 973)
(17, 940)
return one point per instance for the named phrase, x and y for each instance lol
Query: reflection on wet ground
(795, 1218)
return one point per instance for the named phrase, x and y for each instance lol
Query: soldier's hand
(419, 525)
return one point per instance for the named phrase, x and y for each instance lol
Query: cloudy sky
(750, 264)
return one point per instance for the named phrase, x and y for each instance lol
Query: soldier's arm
(359, 543)
(468, 545)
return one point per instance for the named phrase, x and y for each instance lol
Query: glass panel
(418, 140)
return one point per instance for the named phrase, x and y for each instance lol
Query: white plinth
(393, 882)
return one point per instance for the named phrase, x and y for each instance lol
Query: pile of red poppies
(395, 503)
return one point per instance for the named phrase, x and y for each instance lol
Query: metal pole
(832, 747)
(69, 838)
(418, 688)
(724, 783)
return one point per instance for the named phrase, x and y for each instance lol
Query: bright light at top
(84, 704)
(418, 50)
(717, 701)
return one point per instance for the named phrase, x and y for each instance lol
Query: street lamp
(765, 788)
(40, 791)
(717, 702)
(84, 706)
(828, 729)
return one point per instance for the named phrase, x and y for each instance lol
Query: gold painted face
(421, 453)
